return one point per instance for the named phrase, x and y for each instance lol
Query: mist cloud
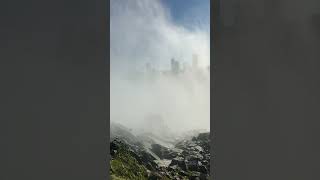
(142, 31)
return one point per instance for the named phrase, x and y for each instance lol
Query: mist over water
(142, 31)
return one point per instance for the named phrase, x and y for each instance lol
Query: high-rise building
(175, 66)
(172, 65)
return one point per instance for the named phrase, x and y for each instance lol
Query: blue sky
(190, 13)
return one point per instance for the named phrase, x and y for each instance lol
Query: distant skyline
(155, 31)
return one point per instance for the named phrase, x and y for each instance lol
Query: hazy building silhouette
(175, 66)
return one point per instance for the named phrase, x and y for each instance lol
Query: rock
(191, 144)
(179, 161)
(113, 152)
(203, 137)
(203, 169)
(194, 176)
(199, 148)
(136, 156)
(173, 168)
(150, 167)
(207, 157)
(185, 153)
(183, 173)
(154, 176)
(158, 150)
(205, 162)
(118, 131)
(193, 165)
(195, 156)
(163, 152)
(188, 159)
(147, 157)
(170, 154)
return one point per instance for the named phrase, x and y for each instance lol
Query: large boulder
(163, 152)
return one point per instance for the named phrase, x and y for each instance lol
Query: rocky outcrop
(188, 159)
(195, 157)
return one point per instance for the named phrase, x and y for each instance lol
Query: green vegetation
(126, 167)
(113, 177)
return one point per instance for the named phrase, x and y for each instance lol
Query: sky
(190, 12)
(155, 31)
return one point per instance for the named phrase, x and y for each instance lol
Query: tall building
(172, 64)
(175, 66)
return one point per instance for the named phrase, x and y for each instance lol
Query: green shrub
(124, 166)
